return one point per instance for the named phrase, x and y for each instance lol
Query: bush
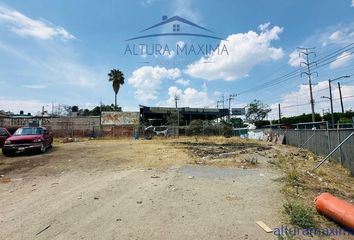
(195, 128)
(293, 177)
(209, 128)
(300, 215)
(226, 129)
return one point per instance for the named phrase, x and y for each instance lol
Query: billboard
(119, 118)
(238, 111)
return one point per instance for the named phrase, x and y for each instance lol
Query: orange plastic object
(335, 209)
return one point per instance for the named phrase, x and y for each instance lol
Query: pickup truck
(27, 139)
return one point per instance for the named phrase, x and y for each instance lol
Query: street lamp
(330, 94)
(330, 99)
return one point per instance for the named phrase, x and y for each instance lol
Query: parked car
(4, 134)
(27, 139)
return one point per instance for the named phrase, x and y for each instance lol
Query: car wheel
(8, 153)
(43, 148)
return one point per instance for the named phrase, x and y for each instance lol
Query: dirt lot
(187, 188)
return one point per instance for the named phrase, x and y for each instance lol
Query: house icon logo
(176, 29)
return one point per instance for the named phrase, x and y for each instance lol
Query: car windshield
(28, 131)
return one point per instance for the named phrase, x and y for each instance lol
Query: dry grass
(140, 153)
(96, 155)
(302, 185)
(221, 151)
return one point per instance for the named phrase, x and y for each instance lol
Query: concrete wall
(118, 131)
(72, 126)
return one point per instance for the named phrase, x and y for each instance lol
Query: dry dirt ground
(185, 188)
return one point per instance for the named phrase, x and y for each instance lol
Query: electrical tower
(308, 64)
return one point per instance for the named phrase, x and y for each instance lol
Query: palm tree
(117, 79)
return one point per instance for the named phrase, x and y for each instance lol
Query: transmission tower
(306, 52)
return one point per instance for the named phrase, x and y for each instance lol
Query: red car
(26, 139)
(4, 134)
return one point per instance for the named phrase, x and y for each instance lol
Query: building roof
(189, 113)
(178, 19)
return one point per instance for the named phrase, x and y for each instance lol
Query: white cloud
(180, 44)
(182, 82)
(340, 34)
(59, 67)
(246, 50)
(217, 93)
(147, 2)
(190, 97)
(25, 26)
(342, 60)
(263, 27)
(295, 59)
(35, 86)
(171, 54)
(147, 81)
(301, 97)
(28, 105)
(352, 3)
(184, 8)
(336, 36)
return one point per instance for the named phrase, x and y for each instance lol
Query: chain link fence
(321, 142)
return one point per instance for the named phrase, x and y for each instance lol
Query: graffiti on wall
(119, 118)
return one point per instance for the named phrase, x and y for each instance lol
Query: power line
(295, 73)
(305, 104)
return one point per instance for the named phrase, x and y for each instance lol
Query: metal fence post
(340, 148)
(298, 135)
(316, 147)
(328, 138)
(333, 151)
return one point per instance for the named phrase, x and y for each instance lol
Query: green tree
(237, 122)
(257, 111)
(117, 79)
(171, 118)
(96, 111)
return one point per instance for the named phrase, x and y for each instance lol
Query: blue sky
(61, 51)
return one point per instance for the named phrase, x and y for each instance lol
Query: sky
(60, 52)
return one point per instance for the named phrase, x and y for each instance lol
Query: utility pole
(231, 97)
(100, 116)
(176, 103)
(223, 101)
(340, 96)
(308, 64)
(279, 112)
(331, 98)
(217, 104)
